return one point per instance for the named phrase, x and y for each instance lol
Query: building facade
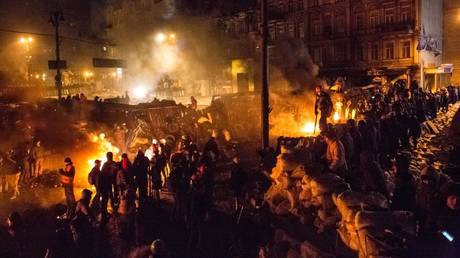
(358, 40)
(451, 41)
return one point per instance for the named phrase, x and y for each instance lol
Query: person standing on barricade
(323, 106)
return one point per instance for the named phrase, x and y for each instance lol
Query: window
(360, 53)
(324, 54)
(272, 33)
(389, 16)
(280, 29)
(281, 5)
(373, 20)
(340, 23)
(301, 30)
(290, 6)
(375, 52)
(314, 2)
(406, 49)
(300, 4)
(316, 27)
(316, 55)
(389, 50)
(291, 29)
(327, 24)
(339, 53)
(359, 22)
(405, 14)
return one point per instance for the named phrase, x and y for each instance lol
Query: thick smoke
(293, 77)
(194, 54)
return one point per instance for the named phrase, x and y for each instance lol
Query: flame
(309, 128)
(347, 112)
(336, 117)
(104, 146)
(353, 114)
(338, 110)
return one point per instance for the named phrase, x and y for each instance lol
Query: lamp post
(264, 92)
(27, 41)
(55, 18)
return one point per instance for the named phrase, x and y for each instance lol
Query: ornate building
(451, 41)
(359, 40)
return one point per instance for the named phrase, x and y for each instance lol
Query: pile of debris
(49, 179)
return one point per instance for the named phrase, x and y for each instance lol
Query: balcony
(400, 26)
(408, 27)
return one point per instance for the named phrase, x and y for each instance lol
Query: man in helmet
(323, 106)
(150, 152)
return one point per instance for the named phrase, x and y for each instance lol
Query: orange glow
(336, 117)
(104, 147)
(309, 128)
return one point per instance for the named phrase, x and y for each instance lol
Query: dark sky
(33, 15)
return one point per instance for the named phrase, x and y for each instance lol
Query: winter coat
(335, 155)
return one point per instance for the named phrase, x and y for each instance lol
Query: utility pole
(264, 93)
(55, 18)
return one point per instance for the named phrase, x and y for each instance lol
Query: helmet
(158, 247)
(67, 160)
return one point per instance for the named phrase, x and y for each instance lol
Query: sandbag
(377, 242)
(401, 220)
(349, 238)
(307, 250)
(348, 203)
(327, 183)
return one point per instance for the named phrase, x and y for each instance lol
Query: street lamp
(27, 41)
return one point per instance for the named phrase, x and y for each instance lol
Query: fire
(309, 128)
(338, 110)
(353, 114)
(336, 117)
(104, 146)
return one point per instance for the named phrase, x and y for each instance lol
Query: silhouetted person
(323, 106)
(405, 187)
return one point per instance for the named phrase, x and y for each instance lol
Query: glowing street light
(160, 38)
(140, 92)
(26, 41)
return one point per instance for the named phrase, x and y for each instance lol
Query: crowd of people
(358, 151)
(361, 152)
(124, 188)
